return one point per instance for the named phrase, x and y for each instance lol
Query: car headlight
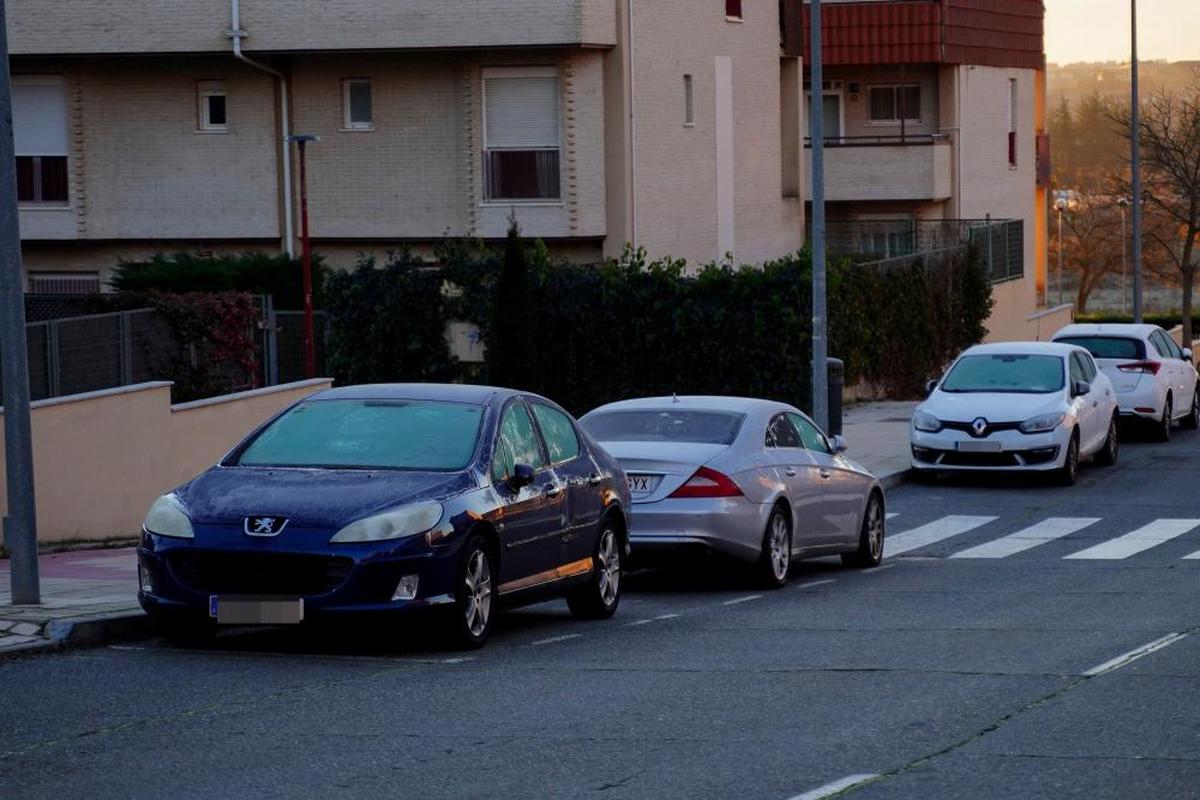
(1043, 423)
(166, 517)
(407, 521)
(926, 422)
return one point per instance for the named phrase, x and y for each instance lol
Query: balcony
(861, 168)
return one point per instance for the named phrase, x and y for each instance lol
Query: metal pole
(1060, 258)
(310, 355)
(1124, 260)
(820, 352)
(20, 524)
(1136, 167)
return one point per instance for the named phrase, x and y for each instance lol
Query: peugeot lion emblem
(979, 426)
(265, 526)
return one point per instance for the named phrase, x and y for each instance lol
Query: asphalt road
(941, 676)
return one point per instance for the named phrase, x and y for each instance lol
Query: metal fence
(1001, 243)
(288, 348)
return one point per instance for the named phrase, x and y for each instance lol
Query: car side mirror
(838, 444)
(1187, 354)
(522, 476)
(1080, 388)
(930, 386)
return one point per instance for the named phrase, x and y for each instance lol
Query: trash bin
(837, 379)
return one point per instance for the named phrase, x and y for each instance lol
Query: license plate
(980, 447)
(233, 610)
(642, 484)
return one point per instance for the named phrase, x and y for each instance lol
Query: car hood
(992, 406)
(318, 498)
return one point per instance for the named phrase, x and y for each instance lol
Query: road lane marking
(635, 623)
(554, 639)
(666, 616)
(1133, 655)
(933, 532)
(840, 785)
(811, 584)
(1145, 537)
(893, 514)
(1045, 531)
(746, 599)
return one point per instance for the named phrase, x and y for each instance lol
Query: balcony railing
(1001, 243)
(881, 141)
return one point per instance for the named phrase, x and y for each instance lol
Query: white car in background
(1017, 406)
(1154, 378)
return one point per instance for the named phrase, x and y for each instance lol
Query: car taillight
(1142, 367)
(708, 483)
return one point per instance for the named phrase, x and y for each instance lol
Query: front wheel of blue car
(600, 596)
(474, 606)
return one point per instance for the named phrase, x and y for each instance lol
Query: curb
(889, 482)
(87, 631)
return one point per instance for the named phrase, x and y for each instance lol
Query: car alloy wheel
(600, 596)
(776, 557)
(870, 545)
(1192, 420)
(1070, 467)
(474, 605)
(1108, 454)
(1164, 425)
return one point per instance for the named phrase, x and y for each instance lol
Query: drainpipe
(236, 34)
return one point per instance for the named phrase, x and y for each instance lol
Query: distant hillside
(1111, 78)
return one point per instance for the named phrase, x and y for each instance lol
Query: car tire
(474, 613)
(1192, 420)
(870, 543)
(600, 596)
(1162, 432)
(183, 632)
(1107, 455)
(1068, 473)
(776, 558)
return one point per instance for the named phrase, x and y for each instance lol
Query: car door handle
(553, 490)
(594, 479)
(791, 473)
(826, 474)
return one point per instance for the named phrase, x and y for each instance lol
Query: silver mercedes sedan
(751, 479)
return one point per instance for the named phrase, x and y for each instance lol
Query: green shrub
(252, 273)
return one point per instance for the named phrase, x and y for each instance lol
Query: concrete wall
(888, 172)
(193, 26)
(100, 459)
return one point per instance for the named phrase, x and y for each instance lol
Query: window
(64, 283)
(516, 443)
(558, 432)
(811, 435)
(780, 433)
(356, 102)
(211, 110)
(1165, 345)
(1078, 371)
(40, 138)
(1108, 346)
(1012, 122)
(888, 105)
(689, 104)
(522, 132)
(733, 9)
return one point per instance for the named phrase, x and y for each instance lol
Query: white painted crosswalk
(1121, 544)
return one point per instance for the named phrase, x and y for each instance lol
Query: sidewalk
(90, 596)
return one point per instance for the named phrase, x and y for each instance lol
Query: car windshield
(1108, 346)
(369, 434)
(665, 425)
(1006, 373)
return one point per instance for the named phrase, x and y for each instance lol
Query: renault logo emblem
(265, 526)
(979, 427)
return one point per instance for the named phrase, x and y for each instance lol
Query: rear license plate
(980, 447)
(643, 484)
(233, 610)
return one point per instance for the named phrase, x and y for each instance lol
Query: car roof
(1140, 330)
(1023, 349)
(450, 392)
(694, 402)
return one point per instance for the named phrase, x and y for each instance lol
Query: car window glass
(1005, 372)
(1160, 347)
(1078, 373)
(1176, 350)
(1089, 367)
(558, 433)
(780, 433)
(516, 443)
(811, 436)
(664, 425)
(1108, 346)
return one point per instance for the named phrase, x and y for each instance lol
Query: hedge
(252, 273)
(632, 328)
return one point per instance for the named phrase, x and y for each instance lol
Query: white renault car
(1154, 378)
(1017, 406)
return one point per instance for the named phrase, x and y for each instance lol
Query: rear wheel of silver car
(1108, 454)
(870, 544)
(776, 557)
(600, 596)
(1192, 420)
(474, 599)
(1163, 432)
(1069, 471)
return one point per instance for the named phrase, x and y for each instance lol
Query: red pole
(310, 355)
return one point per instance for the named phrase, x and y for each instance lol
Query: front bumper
(1019, 452)
(731, 526)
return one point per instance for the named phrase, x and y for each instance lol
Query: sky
(1098, 30)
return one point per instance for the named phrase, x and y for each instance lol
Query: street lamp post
(1060, 205)
(820, 347)
(310, 353)
(1123, 203)
(1135, 128)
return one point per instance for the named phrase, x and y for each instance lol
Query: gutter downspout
(236, 34)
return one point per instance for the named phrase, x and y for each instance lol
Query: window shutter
(39, 116)
(522, 112)
(883, 103)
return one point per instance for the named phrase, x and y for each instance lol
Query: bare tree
(1170, 137)
(1091, 240)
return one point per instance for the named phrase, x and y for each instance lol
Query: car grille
(217, 572)
(992, 427)
(1009, 458)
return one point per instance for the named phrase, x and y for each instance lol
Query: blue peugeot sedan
(388, 499)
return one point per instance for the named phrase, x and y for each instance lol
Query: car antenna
(674, 397)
